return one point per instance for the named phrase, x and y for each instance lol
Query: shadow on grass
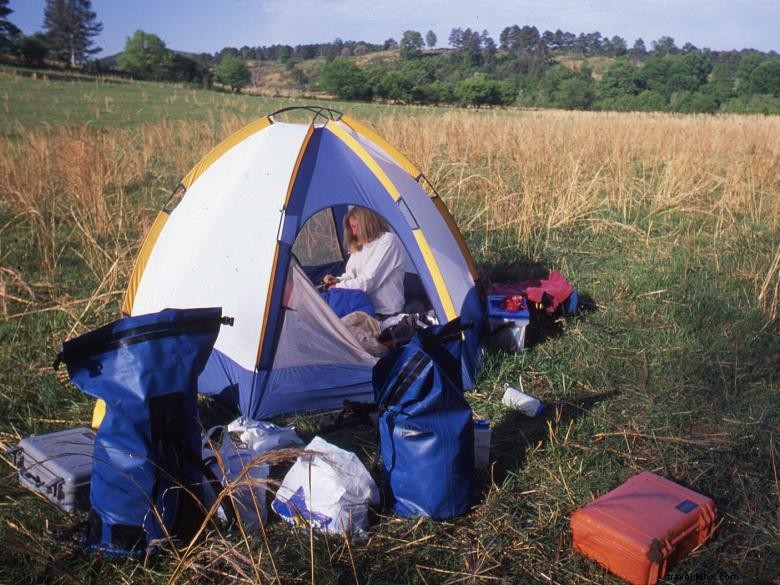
(542, 326)
(517, 433)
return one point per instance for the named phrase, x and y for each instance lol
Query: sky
(206, 26)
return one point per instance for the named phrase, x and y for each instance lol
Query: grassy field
(667, 225)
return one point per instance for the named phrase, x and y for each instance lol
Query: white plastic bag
(328, 488)
(246, 489)
(260, 436)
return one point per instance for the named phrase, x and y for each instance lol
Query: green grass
(669, 367)
(54, 98)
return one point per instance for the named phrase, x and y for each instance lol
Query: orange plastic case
(641, 528)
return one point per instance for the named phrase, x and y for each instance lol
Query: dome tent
(231, 234)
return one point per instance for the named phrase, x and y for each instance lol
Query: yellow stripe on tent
(142, 260)
(98, 413)
(271, 282)
(223, 147)
(374, 137)
(268, 303)
(438, 279)
(297, 166)
(369, 161)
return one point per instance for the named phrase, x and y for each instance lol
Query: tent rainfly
(258, 216)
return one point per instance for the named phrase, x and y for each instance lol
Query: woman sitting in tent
(376, 263)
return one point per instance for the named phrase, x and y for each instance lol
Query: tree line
(525, 67)
(551, 69)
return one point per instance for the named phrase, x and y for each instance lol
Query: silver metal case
(58, 466)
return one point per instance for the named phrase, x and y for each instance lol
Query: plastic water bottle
(528, 405)
(481, 442)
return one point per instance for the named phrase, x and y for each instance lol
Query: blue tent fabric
(269, 392)
(332, 175)
(145, 368)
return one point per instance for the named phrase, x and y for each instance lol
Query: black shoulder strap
(411, 371)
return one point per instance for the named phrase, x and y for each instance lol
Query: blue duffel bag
(147, 477)
(426, 434)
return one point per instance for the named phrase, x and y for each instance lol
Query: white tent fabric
(218, 247)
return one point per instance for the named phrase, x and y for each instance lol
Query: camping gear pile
(280, 190)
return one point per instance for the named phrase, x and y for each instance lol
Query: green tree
(411, 44)
(440, 92)
(507, 92)
(638, 50)
(145, 56)
(574, 93)
(482, 91)
(664, 46)
(618, 46)
(233, 72)
(620, 79)
(765, 78)
(8, 30)
(70, 26)
(430, 39)
(747, 63)
(551, 82)
(754, 104)
(33, 50)
(675, 73)
(394, 86)
(695, 102)
(649, 101)
(475, 91)
(189, 69)
(343, 78)
(721, 83)
(697, 64)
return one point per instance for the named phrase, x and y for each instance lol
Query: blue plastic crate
(495, 311)
(507, 328)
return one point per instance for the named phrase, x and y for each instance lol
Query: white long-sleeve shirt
(378, 269)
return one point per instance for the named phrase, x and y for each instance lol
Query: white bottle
(528, 405)
(481, 442)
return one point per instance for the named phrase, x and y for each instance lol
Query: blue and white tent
(261, 211)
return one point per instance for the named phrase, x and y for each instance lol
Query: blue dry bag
(426, 434)
(146, 478)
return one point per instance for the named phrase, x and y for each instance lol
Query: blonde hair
(370, 226)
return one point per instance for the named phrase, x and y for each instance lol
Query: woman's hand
(328, 281)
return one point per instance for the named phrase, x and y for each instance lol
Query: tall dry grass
(526, 173)
(535, 171)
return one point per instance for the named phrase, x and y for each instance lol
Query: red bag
(641, 528)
